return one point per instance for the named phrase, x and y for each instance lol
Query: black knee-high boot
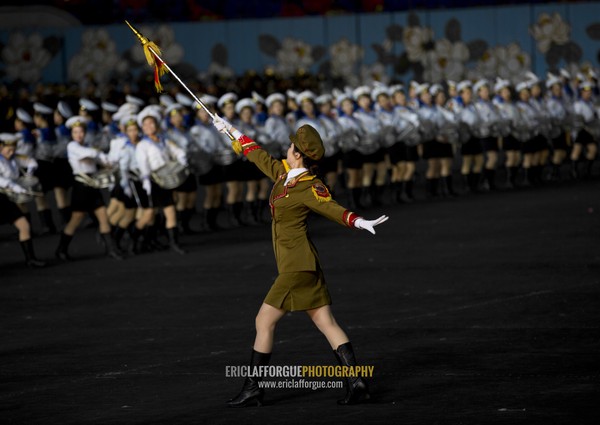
(118, 233)
(47, 222)
(186, 218)
(449, 186)
(174, 241)
(490, 177)
(356, 387)
(356, 191)
(211, 218)
(62, 251)
(111, 248)
(30, 258)
(513, 174)
(251, 393)
(589, 168)
(409, 190)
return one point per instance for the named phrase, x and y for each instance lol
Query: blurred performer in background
(85, 198)
(411, 138)
(352, 132)
(487, 132)
(300, 285)
(585, 131)
(206, 142)
(529, 132)
(559, 117)
(510, 123)
(187, 193)
(471, 149)
(9, 211)
(62, 168)
(446, 139)
(152, 153)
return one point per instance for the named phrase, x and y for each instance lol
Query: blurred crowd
(148, 167)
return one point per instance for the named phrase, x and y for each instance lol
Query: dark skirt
(529, 146)
(353, 160)
(85, 198)
(9, 211)
(489, 144)
(584, 138)
(472, 147)
(397, 152)
(299, 291)
(434, 149)
(510, 143)
(188, 186)
(63, 173)
(329, 164)
(374, 158)
(45, 173)
(560, 142)
(214, 176)
(233, 172)
(250, 172)
(412, 154)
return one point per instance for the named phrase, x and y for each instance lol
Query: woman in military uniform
(300, 285)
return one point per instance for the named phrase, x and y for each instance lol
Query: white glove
(221, 124)
(126, 188)
(369, 225)
(17, 188)
(31, 168)
(224, 126)
(147, 186)
(104, 158)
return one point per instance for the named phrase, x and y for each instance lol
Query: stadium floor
(479, 310)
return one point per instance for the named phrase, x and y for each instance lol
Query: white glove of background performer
(147, 186)
(369, 225)
(17, 188)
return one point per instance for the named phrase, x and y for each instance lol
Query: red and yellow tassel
(152, 53)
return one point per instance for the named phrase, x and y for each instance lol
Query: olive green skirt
(299, 291)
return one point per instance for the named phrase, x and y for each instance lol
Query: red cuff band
(349, 218)
(245, 140)
(250, 149)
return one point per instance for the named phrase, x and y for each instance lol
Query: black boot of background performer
(356, 387)
(63, 247)
(111, 248)
(174, 241)
(30, 258)
(251, 393)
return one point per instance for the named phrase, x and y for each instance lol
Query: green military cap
(308, 141)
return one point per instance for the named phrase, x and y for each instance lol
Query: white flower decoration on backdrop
(97, 59)
(550, 29)
(345, 56)
(25, 57)
(164, 37)
(294, 55)
(446, 61)
(374, 72)
(416, 41)
(508, 62)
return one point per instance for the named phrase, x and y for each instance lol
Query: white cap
(463, 85)
(305, 95)
(244, 103)
(24, 116)
(552, 79)
(451, 83)
(500, 84)
(324, 98)
(173, 107)
(8, 138)
(586, 85)
(413, 84)
(87, 105)
(42, 109)
(227, 98)
(64, 109)
(565, 74)
(379, 90)
(148, 112)
(291, 94)
(435, 89)
(533, 79)
(272, 98)
(421, 88)
(165, 100)
(580, 76)
(361, 91)
(135, 100)
(524, 85)
(109, 107)
(184, 100)
(343, 96)
(257, 98)
(126, 119)
(76, 120)
(207, 99)
(396, 88)
(480, 83)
